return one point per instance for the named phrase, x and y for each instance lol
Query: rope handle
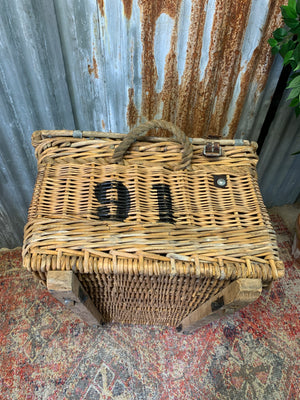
(142, 129)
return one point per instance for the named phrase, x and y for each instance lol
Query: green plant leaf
(296, 31)
(293, 23)
(294, 75)
(294, 102)
(272, 42)
(296, 53)
(288, 12)
(286, 41)
(297, 67)
(284, 48)
(288, 57)
(280, 34)
(294, 83)
(292, 4)
(294, 93)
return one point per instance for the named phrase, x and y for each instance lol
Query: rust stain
(93, 69)
(127, 8)
(170, 91)
(189, 91)
(169, 94)
(150, 11)
(259, 66)
(201, 108)
(265, 57)
(132, 113)
(245, 80)
(101, 6)
(216, 89)
(103, 124)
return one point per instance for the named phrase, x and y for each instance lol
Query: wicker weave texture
(154, 232)
(142, 299)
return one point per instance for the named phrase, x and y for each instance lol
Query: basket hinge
(212, 149)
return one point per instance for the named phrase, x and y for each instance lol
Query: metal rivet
(221, 182)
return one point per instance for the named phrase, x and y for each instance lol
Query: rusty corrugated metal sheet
(109, 64)
(193, 62)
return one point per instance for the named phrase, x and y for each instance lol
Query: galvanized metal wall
(193, 62)
(279, 167)
(107, 65)
(33, 95)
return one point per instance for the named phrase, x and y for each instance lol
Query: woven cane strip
(158, 238)
(153, 238)
(148, 300)
(264, 268)
(56, 150)
(219, 216)
(69, 191)
(229, 220)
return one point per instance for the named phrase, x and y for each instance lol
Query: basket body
(148, 242)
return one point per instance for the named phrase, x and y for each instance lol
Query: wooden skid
(235, 296)
(65, 287)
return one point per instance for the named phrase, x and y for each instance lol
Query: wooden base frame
(65, 287)
(236, 295)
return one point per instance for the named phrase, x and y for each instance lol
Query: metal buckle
(212, 149)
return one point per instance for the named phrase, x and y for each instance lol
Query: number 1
(165, 207)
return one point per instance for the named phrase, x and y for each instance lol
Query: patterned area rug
(48, 353)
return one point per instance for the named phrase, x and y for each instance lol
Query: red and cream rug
(48, 353)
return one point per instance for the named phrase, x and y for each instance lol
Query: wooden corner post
(66, 288)
(236, 295)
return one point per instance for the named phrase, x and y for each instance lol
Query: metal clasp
(212, 149)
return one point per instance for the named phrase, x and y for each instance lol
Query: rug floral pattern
(46, 352)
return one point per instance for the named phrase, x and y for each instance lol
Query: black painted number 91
(115, 198)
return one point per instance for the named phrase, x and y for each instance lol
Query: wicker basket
(152, 227)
